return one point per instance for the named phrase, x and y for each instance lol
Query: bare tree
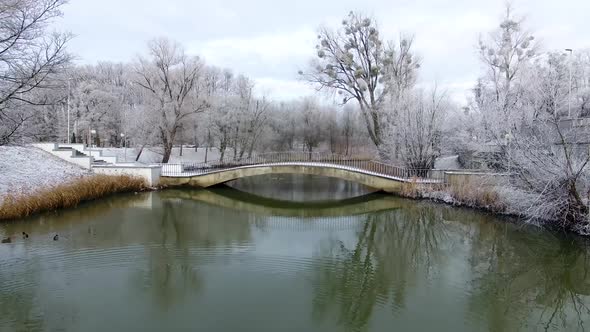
(420, 122)
(354, 62)
(172, 80)
(29, 55)
(283, 127)
(312, 124)
(401, 68)
(250, 117)
(548, 154)
(506, 52)
(348, 128)
(581, 83)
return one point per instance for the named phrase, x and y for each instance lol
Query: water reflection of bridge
(247, 202)
(300, 216)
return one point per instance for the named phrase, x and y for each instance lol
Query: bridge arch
(214, 177)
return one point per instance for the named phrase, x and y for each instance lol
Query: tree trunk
(223, 146)
(251, 149)
(168, 142)
(332, 142)
(139, 153)
(372, 122)
(347, 142)
(167, 152)
(236, 143)
(577, 211)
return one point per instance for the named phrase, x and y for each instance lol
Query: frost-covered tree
(173, 81)
(311, 119)
(548, 155)
(354, 62)
(401, 68)
(250, 115)
(506, 53)
(283, 127)
(348, 128)
(580, 68)
(238, 118)
(100, 98)
(523, 104)
(420, 121)
(29, 57)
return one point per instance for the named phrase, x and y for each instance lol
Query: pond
(288, 257)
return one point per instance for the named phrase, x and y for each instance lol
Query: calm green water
(222, 260)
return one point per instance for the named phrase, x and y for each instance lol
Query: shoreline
(95, 187)
(67, 195)
(445, 197)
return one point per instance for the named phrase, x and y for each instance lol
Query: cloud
(270, 42)
(277, 89)
(279, 53)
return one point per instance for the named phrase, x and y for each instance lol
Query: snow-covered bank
(495, 199)
(24, 170)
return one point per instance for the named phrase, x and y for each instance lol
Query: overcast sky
(270, 40)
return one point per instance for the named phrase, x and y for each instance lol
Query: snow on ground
(449, 162)
(24, 170)
(154, 155)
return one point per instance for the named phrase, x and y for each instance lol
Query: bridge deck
(377, 169)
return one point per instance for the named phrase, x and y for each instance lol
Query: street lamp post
(569, 98)
(124, 146)
(92, 132)
(69, 137)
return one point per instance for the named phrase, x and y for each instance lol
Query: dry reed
(477, 193)
(410, 190)
(68, 195)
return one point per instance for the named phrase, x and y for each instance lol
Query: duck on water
(26, 236)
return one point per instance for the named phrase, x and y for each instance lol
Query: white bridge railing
(315, 159)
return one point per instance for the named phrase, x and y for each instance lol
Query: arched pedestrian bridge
(371, 173)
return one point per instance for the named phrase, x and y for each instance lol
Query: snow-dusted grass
(25, 170)
(448, 162)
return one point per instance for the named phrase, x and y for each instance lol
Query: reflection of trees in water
(170, 274)
(67, 219)
(18, 306)
(390, 250)
(528, 280)
(522, 279)
(173, 262)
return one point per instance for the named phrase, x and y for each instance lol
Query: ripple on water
(339, 267)
(41, 258)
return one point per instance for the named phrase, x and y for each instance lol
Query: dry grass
(68, 195)
(477, 193)
(411, 190)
